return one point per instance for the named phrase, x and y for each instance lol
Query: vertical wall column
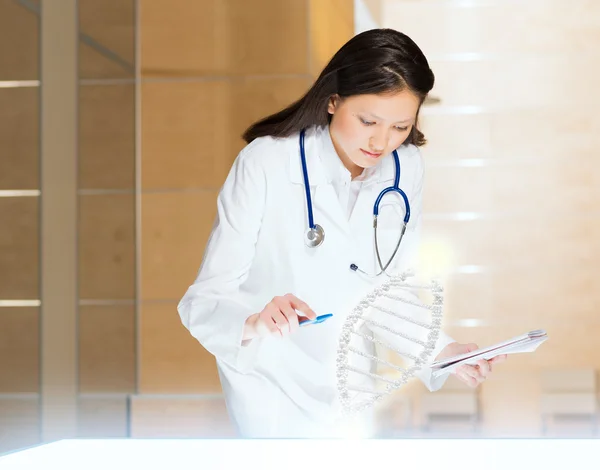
(59, 33)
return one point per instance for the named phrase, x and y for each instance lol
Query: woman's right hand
(280, 317)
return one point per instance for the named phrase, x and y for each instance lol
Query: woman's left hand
(472, 375)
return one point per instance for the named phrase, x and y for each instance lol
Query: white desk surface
(409, 454)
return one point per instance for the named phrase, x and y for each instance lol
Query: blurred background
(119, 120)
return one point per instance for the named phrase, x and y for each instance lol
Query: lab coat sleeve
(213, 309)
(408, 257)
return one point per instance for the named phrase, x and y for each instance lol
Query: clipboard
(527, 342)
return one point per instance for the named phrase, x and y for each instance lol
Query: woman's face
(364, 128)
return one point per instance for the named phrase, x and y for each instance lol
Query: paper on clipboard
(528, 342)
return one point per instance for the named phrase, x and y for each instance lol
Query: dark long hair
(377, 61)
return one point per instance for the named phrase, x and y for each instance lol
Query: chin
(368, 163)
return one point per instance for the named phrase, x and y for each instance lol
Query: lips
(370, 155)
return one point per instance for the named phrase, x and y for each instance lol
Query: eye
(401, 129)
(365, 122)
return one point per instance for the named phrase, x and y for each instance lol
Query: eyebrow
(381, 119)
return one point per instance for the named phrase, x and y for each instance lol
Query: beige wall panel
(375, 8)
(547, 27)
(570, 184)
(107, 137)
(171, 360)
(187, 137)
(534, 133)
(106, 246)
(19, 423)
(524, 83)
(19, 350)
(102, 417)
(572, 132)
(555, 295)
(529, 296)
(19, 42)
(223, 37)
(106, 349)
(94, 65)
(521, 240)
(19, 256)
(191, 132)
(331, 25)
(458, 189)
(544, 239)
(518, 185)
(255, 99)
(467, 296)
(110, 23)
(452, 136)
(19, 138)
(172, 417)
(175, 229)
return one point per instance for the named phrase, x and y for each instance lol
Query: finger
(276, 321)
(499, 359)
(265, 319)
(474, 372)
(484, 368)
(281, 321)
(266, 327)
(467, 369)
(301, 306)
(471, 347)
(460, 373)
(290, 315)
(467, 379)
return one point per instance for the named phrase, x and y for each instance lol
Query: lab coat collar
(317, 174)
(334, 168)
(324, 165)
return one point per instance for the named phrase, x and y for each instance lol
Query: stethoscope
(315, 234)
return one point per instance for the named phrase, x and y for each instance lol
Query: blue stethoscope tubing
(316, 235)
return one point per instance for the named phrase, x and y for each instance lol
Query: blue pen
(319, 319)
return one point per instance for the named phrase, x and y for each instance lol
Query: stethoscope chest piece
(314, 236)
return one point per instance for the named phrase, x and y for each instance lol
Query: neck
(352, 167)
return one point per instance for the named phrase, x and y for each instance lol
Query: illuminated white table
(410, 454)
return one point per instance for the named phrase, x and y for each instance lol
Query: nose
(378, 142)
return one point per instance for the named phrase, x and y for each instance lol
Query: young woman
(294, 237)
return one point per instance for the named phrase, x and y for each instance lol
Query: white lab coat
(286, 387)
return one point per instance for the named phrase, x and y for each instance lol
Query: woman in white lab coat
(258, 276)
